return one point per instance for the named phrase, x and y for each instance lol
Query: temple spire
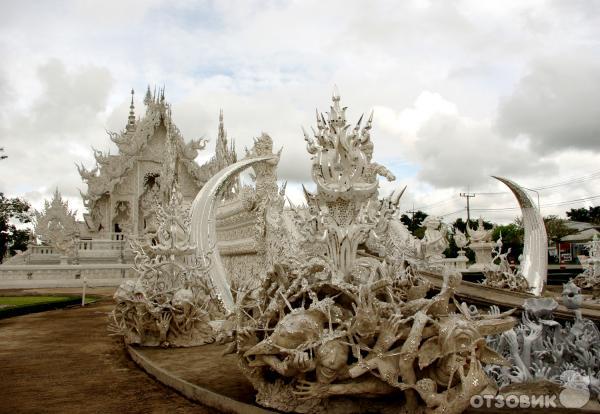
(148, 98)
(221, 145)
(131, 119)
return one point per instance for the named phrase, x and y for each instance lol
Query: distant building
(574, 245)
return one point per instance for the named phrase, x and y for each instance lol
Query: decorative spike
(370, 122)
(306, 137)
(148, 97)
(282, 190)
(336, 93)
(292, 206)
(307, 195)
(359, 122)
(396, 196)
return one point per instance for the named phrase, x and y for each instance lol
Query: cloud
(44, 142)
(452, 150)
(459, 88)
(69, 100)
(556, 105)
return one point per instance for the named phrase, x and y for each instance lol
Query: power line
(454, 212)
(500, 209)
(555, 204)
(575, 180)
(437, 203)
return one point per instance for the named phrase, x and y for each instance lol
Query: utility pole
(412, 220)
(468, 196)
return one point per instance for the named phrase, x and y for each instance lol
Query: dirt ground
(63, 361)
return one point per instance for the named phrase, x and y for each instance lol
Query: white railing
(111, 236)
(42, 250)
(84, 245)
(100, 245)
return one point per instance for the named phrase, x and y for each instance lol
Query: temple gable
(122, 188)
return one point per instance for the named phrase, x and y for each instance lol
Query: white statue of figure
(460, 239)
(434, 241)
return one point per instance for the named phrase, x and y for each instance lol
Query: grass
(11, 301)
(21, 305)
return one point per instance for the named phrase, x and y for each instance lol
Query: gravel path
(63, 361)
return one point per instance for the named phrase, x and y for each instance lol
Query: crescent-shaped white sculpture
(534, 266)
(204, 225)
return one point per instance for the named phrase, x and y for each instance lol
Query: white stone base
(58, 276)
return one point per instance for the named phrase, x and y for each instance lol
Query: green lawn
(21, 305)
(11, 301)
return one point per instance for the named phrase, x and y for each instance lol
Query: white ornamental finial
(131, 119)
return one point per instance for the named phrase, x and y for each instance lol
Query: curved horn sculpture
(204, 226)
(534, 266)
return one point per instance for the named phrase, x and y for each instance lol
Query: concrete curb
(194, 392)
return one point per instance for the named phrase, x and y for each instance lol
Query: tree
(413, 224)
(12, 238)
(461, 225)
(556, 228)
(586, 215)
(512, 237)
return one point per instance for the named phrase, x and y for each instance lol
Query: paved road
(63, 361)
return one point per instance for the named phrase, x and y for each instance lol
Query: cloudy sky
(461, 89)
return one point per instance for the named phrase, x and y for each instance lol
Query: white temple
(123, 189)
(152, 153)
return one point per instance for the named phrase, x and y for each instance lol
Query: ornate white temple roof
(131, 142)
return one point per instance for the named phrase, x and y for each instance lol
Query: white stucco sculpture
(590, 277)
(499, 274)
(347, 317)
(172, 301)
(56, 226)
(481, 243)
(434, 240)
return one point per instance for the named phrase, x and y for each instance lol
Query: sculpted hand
(511, 339)
(308, 389)
(303, 362)
(534, 333)
(389, 333)
(494, 310)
